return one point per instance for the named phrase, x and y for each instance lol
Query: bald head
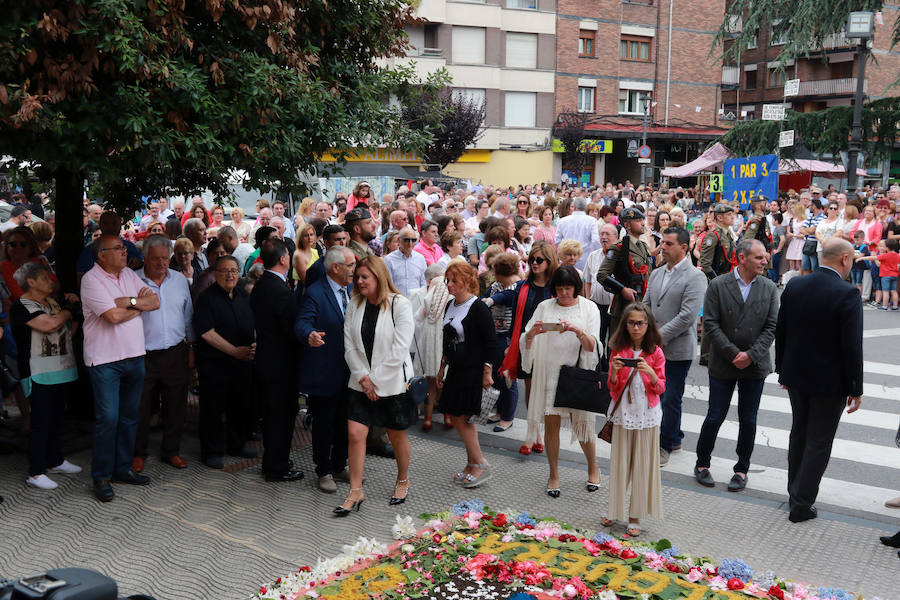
(837, 253)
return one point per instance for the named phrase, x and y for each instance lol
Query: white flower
(607, 595)
(404, 528)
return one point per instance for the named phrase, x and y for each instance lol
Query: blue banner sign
(748, 177)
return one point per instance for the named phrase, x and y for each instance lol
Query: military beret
(631, 213)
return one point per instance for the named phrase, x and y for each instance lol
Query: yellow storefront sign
(385, 155)
(590, 146)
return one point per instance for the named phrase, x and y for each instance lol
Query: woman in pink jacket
(635, 388)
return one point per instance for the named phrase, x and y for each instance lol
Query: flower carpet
(473, 553)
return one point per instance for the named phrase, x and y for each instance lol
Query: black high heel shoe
(340, 511)
(394, 501)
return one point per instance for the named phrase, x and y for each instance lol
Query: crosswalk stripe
(879, 368)
(782, 404)
(870, 390)
(877, 333)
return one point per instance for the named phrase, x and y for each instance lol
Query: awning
(819, 167)
(674, 132)
(709, 161)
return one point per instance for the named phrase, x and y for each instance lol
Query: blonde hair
(183, 243)
(307, 207)
(799, 212)
(238, 210)
(569, 246)
(300, 238)
(386, 288)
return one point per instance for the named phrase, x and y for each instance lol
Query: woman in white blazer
(378, 331)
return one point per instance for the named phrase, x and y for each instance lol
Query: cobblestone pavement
(204, 534)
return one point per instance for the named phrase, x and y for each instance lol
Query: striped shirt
(813, 221)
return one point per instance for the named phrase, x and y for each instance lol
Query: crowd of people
(473, 289)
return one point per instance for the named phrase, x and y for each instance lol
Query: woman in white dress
(794, 252)
(558, 330)
(430, 336)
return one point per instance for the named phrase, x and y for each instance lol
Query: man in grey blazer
(675, 295)
(739, 316)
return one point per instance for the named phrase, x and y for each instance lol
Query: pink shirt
(545, 235)
(103, 341)
(432, 255)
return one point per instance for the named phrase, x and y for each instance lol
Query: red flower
(628, 553)
(499, 520)
(304, 569)
(278, 581)
(735, 584)
(776, 592)
(437, 538)
(263, 590)
(673, 567)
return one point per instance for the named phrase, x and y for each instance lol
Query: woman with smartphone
(637, 377)
(562, 331)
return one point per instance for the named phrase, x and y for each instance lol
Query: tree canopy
(570, 131)
(455, 121)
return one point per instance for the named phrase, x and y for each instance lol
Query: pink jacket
(541, 235)
(657, 360)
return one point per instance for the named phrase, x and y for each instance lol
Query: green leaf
(662, 544)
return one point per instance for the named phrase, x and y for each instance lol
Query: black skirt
(461, 394)
(390, 412)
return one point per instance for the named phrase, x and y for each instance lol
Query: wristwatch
(133, 302)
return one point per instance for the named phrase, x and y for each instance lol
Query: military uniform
(626, 265)
(717, 255)
(758, 229)
(360, 250)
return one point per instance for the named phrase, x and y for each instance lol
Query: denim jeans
(117, 400)
(775, 271)
(720, 392)
(670, 434)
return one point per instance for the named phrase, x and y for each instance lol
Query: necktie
(343, 300)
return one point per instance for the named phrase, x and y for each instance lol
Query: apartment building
(613, 54)
(504, 52)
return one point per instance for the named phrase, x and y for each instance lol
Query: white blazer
(393, 336)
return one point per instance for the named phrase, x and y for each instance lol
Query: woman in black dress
(469, 340)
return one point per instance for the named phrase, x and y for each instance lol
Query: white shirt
(591, 267)
(241, 253)
(456, 313)
(581, 227)
(280, 276)
(667, 274)
(407, 273)
(342, 294)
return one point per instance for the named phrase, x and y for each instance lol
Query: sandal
(471, 481)
(525, 449)
(633, 531)
(537, 447)
(462, 477)
(607, 522)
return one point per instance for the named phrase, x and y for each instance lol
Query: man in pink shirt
(113, 298)
(428, 246)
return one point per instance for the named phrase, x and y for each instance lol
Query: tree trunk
(68, 240)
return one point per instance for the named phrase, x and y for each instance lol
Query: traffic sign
(786, 138)
(715, 183)
(773, 112)
(644, 151)
(791, 87)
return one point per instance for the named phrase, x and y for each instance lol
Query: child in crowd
(505, 267)
(861, 249)
(887, 261)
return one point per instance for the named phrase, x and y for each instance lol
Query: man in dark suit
(274, 312)
(739, 315)
(821, 366)
(323, 373)
(333, 235)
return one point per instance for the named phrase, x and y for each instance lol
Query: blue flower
(670, 553)
(834, 594)
(733, 567)
(601, 538)
(465, 506)
(522, 596)
(524, 518)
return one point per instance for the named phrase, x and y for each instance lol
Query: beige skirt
(634, 459)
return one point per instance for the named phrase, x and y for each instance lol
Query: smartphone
(629, 362)
(552, 326)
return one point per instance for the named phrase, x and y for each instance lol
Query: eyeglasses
(409, 240)
(636, 324)
(351, 265)
(832, 208)
(536, 260)
(523, 203)
(227, 271)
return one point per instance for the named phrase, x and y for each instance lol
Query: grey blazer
(734, 326)
(677, 308)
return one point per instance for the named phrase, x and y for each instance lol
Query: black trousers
(278, 402)
(48, 403)
(224, 394)
(815, 423)
(166, 375)
(329, 433)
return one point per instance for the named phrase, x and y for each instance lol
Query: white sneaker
(42, 482)
(67, 468)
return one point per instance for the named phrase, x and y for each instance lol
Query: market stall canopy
(819, 167)
(709, 161)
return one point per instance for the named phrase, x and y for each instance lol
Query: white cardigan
(393, 336)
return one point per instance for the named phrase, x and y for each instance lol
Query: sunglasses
(409, 240)
(523, 203)
(536, 260)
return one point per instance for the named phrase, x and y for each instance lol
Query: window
(779, 35)
(630, 101)
(754, 42)
(521, 50)
(468, 45)
(528, 4)
(634, 48)
(586, 43)
(474, 95)
(776, 78)
(750, 80)
(520, 109)
(586, 99)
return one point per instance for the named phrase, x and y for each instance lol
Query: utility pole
(861, 26)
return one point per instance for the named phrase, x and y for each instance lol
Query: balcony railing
(830, 87)
(731, 75)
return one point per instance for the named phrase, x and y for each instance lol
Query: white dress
(430, 334)
(551, 350)
(637, 414)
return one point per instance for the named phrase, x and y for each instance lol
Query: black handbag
(582, 389)
(417, 385)
(809, 247)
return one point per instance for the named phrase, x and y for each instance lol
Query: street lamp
(645, 104)
(860, 26)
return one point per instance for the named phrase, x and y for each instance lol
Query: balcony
(731, 76)
(831, 87)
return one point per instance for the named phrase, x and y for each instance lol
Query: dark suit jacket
(818, 341)
(323, 370)
(316, 271)
(274, 312)
(733, 326)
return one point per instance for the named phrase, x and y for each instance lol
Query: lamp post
(860, 26)
(645, 104)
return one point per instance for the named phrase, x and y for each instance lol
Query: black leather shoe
(737, 483)
(245, 452)
(103, 491)
(131, 478)
(214, 462)
(704, 477)
(800, 514)
(286, 476)
(553, 492)
(891, 540)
